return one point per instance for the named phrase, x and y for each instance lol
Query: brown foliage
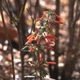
(12, 32)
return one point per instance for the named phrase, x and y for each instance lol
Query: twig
(7, 36)
(32, 18)
(9, 9)
(71, 11)
(56, 45)
(5, 10)
(22, 9)
(72, 26)
(20, 39)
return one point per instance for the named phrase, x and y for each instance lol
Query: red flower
(38, 40)
(41, 57)
(43, 16)
(29, 36)
(58, 22)
(50, 37)
(47, 43)
(31, 49)
(51, 63)
(58, 16)
(30, 39)
(38, 19)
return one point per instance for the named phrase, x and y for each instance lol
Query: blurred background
(16, 23)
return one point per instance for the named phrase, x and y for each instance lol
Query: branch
(7, 36)
(71, 11)
(20, 39)
(9, 9)
(57, 27)
(72, 24)
(22, 10)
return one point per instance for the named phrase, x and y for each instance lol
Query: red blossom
(58, 22)
(30, 39)
(38, 40)
(50, 37)
(51, 63)
(58, 16)
(32, 49)
(47, 43)
(29, 36)
(43, 16)
(38, 19)
(41, 57)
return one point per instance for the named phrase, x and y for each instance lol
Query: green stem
(40, 74)
(39, 67)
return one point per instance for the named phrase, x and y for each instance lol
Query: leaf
(43, 72)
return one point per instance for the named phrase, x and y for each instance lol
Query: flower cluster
(43, 39)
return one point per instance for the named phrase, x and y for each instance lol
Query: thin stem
(7, 36)
(39, 64)
(22, 10)
(20, 39)
(40, 74)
